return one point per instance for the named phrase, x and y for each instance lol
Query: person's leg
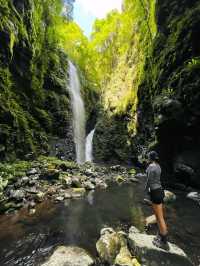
(158, 211)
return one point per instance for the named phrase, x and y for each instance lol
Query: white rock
(151, 220)
(32, 171)
(69, 256)
(194, 196)
(67, 195)
(89, 186)
(60, 198)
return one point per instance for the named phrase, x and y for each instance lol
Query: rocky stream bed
(57, 207)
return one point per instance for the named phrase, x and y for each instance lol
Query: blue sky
(86, 11)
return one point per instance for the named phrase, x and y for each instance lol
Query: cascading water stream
(88, 150)
(78, 113)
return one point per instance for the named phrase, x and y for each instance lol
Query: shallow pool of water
(27, 240)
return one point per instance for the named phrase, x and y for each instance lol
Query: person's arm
(150, 177)
(146, 187)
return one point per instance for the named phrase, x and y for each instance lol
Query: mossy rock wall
(162, 69)
(114, 139)
(169, 97)
(34, 102)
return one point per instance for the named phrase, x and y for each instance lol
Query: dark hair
(153, 156)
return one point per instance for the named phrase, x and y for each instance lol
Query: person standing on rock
(156, 192)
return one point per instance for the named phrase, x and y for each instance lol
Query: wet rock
(67, 195)
(183, 172)
(119, 179)
(17, 195)
(124, 258)
(51, 191)
(169, 196)
(100, 184)
(150, 220)
(108, 246)
(113, 249)
(32, 171)
(89, 186)
(66, 181)
(40, 196)
(32, 182)
(78, 192)
(194, 196)
(25, 180)
(9, 206)
(59, 198)
(89, 172)
(69, 256)
(32, 190)
(76, 182)
(3, 184)
(143, 248)
(117, 168)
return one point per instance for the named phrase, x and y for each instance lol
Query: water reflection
(26, 240)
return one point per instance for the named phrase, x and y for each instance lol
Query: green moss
(29, 49)
(120, 91)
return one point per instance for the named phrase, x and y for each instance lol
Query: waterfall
(88, 150)
(78, 113)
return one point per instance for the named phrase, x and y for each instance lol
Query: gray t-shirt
(153, 176)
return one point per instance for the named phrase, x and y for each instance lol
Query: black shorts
(157, 196)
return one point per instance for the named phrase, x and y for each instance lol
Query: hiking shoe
(159, 243)
(157, 237)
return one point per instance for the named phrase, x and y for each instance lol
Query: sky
(86, 11)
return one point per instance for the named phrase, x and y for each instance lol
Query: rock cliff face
(169, 97)
(167, 116)
(34, 103)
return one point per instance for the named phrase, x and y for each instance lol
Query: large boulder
(113, 250)
(108, 246)
(142, 246)
(69, 256)
(186, 167)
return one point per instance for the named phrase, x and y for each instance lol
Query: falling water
(78, 113)
(88, 150)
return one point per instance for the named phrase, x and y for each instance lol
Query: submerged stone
(69, 256)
